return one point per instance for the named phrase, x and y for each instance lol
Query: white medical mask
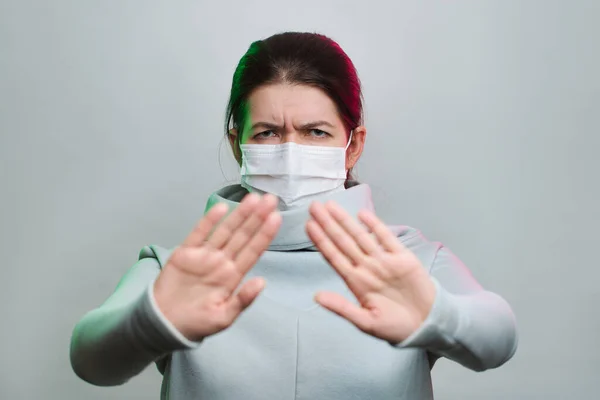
(293, 172)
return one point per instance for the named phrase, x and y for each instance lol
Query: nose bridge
(290, 134)
(290, 137)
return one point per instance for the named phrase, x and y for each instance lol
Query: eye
(319, 133)
(264, 135)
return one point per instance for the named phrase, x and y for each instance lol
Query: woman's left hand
(393, 289)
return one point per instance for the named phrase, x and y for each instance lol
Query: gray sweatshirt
(285, 346)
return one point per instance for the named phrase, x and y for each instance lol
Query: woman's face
(281, 113)
(292, 113)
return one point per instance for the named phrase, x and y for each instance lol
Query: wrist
(176, 330)
(425, 296)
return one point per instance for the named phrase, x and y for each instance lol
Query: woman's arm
(443, 310)
(467, 323)
(119, 339)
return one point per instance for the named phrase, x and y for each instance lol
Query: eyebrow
(303, 127)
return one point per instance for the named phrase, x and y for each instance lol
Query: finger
(249, 254)
(338, 236)
(384, 235)
(247, 293)
(341, 306)
(203, 262)
(360, 235)
(247, 230)
(224, 231)
(332, 254)
(205, 225)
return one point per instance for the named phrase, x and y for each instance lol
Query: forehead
(283, 102)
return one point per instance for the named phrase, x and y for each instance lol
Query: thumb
(247, 293)
(341, 306)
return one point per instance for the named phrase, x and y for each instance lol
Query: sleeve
(467, 324)
(118, 340)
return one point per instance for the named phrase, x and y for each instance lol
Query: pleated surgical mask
(293, 172)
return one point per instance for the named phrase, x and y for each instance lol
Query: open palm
(394, 291)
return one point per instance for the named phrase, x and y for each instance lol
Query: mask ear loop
(346, 149)
(349, 139)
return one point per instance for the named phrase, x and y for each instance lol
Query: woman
(388, 302)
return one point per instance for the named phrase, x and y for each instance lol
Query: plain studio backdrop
(482, 122)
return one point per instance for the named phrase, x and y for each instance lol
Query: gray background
(483, 132)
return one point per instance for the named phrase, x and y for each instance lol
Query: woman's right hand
(196, 289)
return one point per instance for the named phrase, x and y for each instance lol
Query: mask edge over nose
(293, 172)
